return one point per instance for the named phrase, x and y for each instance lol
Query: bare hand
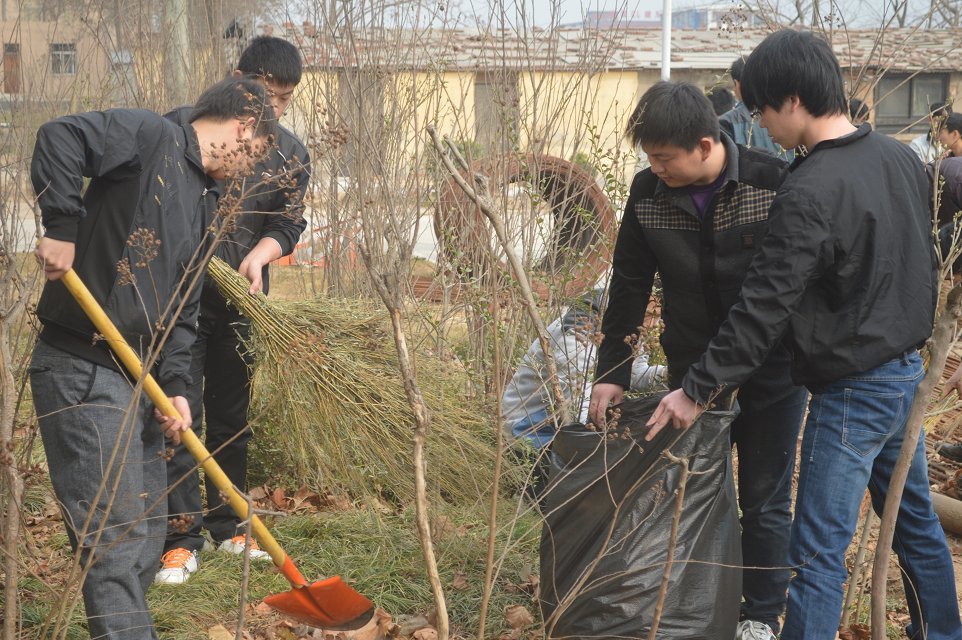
(603, 394)
(676, 408)
(171, 426)
(55, 256)
(252, 267)
(955, 382)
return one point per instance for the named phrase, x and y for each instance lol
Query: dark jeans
(765, 435)
(220, 394)
(102, 453)
(852, 439)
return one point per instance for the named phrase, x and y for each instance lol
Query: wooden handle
(190, 440)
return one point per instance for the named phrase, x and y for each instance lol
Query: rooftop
(603, 49)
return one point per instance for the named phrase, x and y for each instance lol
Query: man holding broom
(847, 274)
(264, 223)
(133, 237)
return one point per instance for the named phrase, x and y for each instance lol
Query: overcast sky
(862, 13)
(857, 13)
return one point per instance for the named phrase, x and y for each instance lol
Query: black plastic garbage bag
(610, 502)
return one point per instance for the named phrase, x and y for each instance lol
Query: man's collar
(863, 130)
(193, 147)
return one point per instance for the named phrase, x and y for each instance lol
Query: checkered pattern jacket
(701, 261)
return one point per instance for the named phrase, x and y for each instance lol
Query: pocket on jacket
(870, 419)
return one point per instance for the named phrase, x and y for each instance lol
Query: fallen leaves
(409, 624)
(855, 632)
(379, 627)
(530, 584)
(460, 581)
(303, 501)
(517, 617)
(219, 632)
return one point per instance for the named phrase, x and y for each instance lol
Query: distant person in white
(527, 397)
(926, 146)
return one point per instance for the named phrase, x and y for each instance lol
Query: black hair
(953, 122)
(737, 68)
(794, 63)
(237, 98)
(273, 59)
(857, 110)
(722, 100)
(673, 113)
(940, 108)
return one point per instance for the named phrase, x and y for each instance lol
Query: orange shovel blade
(328, 604)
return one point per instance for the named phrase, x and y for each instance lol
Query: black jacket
(949, 185)
(846, 272)
(701, 262)
(273, 206)
(145, 176)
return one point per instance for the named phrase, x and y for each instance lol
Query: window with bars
(63, 59)
(902, 101)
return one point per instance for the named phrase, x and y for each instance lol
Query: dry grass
(326, 380)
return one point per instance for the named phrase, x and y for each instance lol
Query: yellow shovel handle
(190, 440)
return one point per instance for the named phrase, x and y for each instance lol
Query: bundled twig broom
(327, 374)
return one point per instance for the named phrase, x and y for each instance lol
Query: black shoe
(951, 452)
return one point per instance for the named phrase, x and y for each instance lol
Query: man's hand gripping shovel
(328, 603)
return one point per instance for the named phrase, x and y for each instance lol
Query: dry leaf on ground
(379, 627)
(427, 633)
(409, 624)
(219, 632)
(855, 632)
(279, 499)
(517, 616)
(459, 582)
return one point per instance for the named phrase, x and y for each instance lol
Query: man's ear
(705, 145)
(237, 73)
(244, 125)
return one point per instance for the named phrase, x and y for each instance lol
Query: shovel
(328, 603)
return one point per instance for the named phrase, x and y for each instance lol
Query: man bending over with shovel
(133, 238)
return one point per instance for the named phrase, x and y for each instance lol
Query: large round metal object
(559, 222)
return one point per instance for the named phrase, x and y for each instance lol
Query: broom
(326, 373)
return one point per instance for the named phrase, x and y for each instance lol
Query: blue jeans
(102, 453)
(852, 439)
(536, 428)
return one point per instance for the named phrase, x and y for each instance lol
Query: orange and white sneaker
(236, 545)
(177, 566)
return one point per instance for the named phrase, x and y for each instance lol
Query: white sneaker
(178, 564)
(753, 630)
(236, 545)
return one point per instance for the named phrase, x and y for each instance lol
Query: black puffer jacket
(846, 272)
(702, 263)
(145, 176)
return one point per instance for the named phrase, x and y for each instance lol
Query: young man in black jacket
(847, 274)
(697, 217)
(266, 225)
(133, 237)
